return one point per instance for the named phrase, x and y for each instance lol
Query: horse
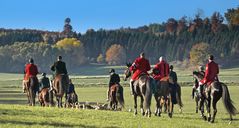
(31, 88)
(45, 97)
(142, 89)
(60, 86)
(164, 101)
(214, 92)
(196, 96)
(72, 100)
(116, 95)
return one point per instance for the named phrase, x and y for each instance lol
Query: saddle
(165, 79)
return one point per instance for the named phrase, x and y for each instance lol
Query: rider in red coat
(30, 71)
(140, 65)
(211, 73)
(163, 67)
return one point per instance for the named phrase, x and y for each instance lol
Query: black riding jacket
(114, 79)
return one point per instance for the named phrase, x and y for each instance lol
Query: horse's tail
(148, 93)
(178, 96)
(120, 97)
(228, 103)
(62, 85)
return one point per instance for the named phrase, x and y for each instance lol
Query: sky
(106, 14)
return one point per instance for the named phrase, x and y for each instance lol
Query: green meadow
(92, 88)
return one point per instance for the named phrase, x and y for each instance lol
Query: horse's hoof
(135, 113)
(143, 113)
(170, 115)
(196, 111)
(155, 114)
(204, 117)
(212, 121)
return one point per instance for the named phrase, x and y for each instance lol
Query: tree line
(186, 40)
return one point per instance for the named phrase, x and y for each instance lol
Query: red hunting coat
(31, 71)
(211, 73)
(140, 65)
(163, 68)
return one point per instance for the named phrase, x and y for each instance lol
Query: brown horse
(142, 88)
(31, 88)
(214, 92)
(45, 97)
(163, 92)
(60, 86)
(165, 103)
(116, 95)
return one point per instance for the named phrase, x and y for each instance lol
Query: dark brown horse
(164, 102)
(45, 97)
(214, 92)
(163, 92)
(116, 96)
(31, 88)
(142, 89)
(60, 86)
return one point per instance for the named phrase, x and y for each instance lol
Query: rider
(163, 68)
(211, 74)
(140, 65)
(173, 75)
(114, 79)
(59, 67)
(174, 85)
(44, 82)
(30, 71)
(71, 88)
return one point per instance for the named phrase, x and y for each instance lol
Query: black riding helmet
(111, 70)
(31, 60)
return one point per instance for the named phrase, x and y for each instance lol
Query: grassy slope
(24, 116)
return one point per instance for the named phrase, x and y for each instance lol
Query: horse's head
(197, 75)
(127, 72)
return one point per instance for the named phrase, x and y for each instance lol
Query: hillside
(173, 39)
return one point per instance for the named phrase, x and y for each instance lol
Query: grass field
(15, 113)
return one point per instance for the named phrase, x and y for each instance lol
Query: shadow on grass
(54, 124)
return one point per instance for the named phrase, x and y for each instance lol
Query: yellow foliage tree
(199, 53)
(100, 59)
(68, 43)
(73, 50)
(115, 55)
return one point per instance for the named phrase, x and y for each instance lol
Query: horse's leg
(141, 105)
(196, 100)
(170, 106)
(165, 104)
(201, 107)
(214, 105)
(157, 113)
(209, 108)
(58, 101)
(135, 105)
